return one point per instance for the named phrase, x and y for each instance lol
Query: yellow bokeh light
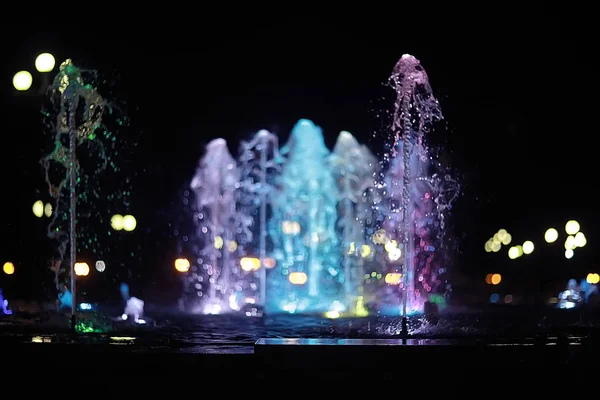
(129, 223)
(496, 279)
(496, 245)
(365, 250)
(182, 265)
(218, 242)
(501, 234)
(249, 264)
(569, 253)
(393, 278)
(232, 246)
(22, 81)
(488, 246)
(48, 210)
(391, 245)
(528, 247)
(38, 209)
(514, 253)
(580, 240)
(8, 268)
(82, 269)
(45, 62)
(507, 239)
(570, 243)
(572, 227)
(592, 278)
(298, 278)
(551, 235)
(116, 222)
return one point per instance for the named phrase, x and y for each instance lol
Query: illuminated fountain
(80, 110)
(260, 161)
(309, 275)
(418, 193)
(222, 231)
(353, 166)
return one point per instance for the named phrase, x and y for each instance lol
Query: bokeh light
(22, 81)
(38, 209)
(82, 269)
(569, 253)
(593, 278)
(572, 227)
(8, 268)
(496, 279)
(528, 247)
(551, 235)
(129, 223)
(182, 265)
(45, 62)
(100, 266)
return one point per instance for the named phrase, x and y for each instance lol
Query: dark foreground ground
(277, 348)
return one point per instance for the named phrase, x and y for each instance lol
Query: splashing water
(222, 232)
(83, 146)
(418, 197)
(259, 161)
(353, 166)
(303, 228)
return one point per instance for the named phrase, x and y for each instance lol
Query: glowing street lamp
(182, 265)
(22, 81)
(45, 62)
(8, 268)
(82, 269)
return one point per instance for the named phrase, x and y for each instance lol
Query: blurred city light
(100, 266)
(494, 244)
(45, 62)
(298, 278)
(249, 264)
(119, 222)
(551, 235)
(572, 227)
(38, 209)
(182, 265)
(8, 268)
(22, 81)
(129, 223)
(592, 278)
(528, 247)
(493, 279)
(116, 222)
(48, 210)
(515, 252)
(82, 269)
(569, 253)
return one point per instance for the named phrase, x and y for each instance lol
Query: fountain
(73, 95)
(343, 232)
(4, 310)
(82, 148)
(223, 230)
(259, 161)
(353, 166)
(309, 275)
(419, 201)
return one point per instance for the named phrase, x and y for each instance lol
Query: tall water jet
(80, 110)
(220, 226)
(259, 161)
(302, 227)
(353, 166)
(420, 199)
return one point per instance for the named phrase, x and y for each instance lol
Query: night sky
(519, 103)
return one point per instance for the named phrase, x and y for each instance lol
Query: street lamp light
(22, 81)
(45, 62)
